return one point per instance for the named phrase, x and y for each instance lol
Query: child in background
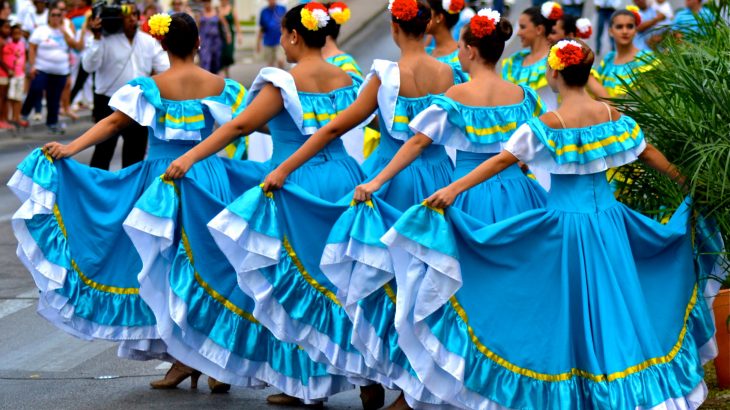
(13, 56)
(5, 73)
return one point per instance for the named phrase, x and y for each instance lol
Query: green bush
(683, 106)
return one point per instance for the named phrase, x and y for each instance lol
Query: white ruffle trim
(389, 75)
(153, 237)
(241, 246)
(356, 269)
(438, 283)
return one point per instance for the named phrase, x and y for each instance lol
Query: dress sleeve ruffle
(228, 104)
(389, 75)
(283, 81)
(578, 150)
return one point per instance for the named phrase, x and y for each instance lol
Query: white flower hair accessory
(585, 29)
(314, 16)
(484, 23)
(551, 10)
(490, 14)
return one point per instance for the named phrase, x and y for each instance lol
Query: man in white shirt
(116, 59)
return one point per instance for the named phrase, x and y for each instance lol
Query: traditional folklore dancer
(444, 16)
(614, 296)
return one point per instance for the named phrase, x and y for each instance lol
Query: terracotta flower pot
(722, 362)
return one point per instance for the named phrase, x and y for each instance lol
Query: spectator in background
(79, 15)
(214, 34)
(687, 20)
(663, 7)
(573, 7)
(270, 32)
(649, 19)
(13, 56)
(5, 10)
(74, 55)
(228, 13)
(35, 17)
(117, 59)
(6, 72)
(604, 9)
(180, 6)
(49, 59)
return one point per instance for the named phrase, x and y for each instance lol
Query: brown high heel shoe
(218, 387)
(400, 403)
(283, 399)
(372, 396)
(177, 373)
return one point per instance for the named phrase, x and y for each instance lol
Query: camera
(111, 13)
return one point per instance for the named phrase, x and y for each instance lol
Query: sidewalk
(244, 71)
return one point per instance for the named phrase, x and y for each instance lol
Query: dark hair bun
(417, 25)
(490, 46)
(182, 38)
(293, 21)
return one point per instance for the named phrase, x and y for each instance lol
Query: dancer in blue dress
(475, 118)
(295, 105)
(404, 89)
(581, 304)
(444, 16)
(69, 228)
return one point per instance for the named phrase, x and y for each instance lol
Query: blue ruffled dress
(581, 304)
(363, 269)
(205, 318)
(69, 228)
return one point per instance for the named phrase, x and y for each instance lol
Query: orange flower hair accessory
(403, 10)
(635, 11)
(565, 53)
(158, 25)
(452, 6)
(551, 10)
(484, 23)
(584, 27)
(314, 16)
(339, 12)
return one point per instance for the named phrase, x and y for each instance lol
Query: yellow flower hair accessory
(159, 25)
(565, 53)
(314, 16)
(339, 12)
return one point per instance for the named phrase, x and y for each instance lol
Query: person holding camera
(119, 53)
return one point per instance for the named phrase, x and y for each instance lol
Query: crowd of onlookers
(45, 44)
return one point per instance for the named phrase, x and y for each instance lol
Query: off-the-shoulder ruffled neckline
(599, 125)
(491, 107)
(226, 84)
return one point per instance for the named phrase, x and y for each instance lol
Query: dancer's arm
(264, 106)
(595, 88)
(404, 157)
(655, 159)
(365, 104)
(445, 196)
(103, 130)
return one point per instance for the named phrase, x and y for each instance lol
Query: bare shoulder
(551, 120)
(458, 92)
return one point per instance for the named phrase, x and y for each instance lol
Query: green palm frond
(683, 106)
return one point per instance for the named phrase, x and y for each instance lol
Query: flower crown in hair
(565, 53)
(484, 23)
(452, 6)
(403, 10)
(314, 16)
(584, 27)
(158, 25)
(635, 11)
(551, 10)
(339, 12)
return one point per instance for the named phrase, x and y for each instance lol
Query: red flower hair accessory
(314, 16)
(403, 10)
(565, 53)
(452, 6)
(551, 10)
(340, 12)
(635, 11)
(584, 27)
(484, 23)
